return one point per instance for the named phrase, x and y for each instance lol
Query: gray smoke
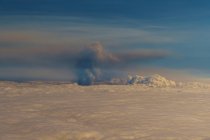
(90, 62)
(93, 60)
(90, 65)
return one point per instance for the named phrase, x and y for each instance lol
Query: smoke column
(93, 59)
(90, 62)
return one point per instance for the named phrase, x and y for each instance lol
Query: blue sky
(33, 32)
(144, 9)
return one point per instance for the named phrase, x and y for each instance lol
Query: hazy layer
(41, 111)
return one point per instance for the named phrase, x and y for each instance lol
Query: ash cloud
(90, 62)
(89, 65)
(93, 60)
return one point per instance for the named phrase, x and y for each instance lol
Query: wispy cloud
(66, 30)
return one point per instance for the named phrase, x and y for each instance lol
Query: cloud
(93, 59)
(90, 64)
(90, 61)
(69, 30)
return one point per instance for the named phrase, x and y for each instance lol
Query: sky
(63, 40)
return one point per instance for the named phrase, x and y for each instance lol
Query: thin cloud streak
(68, 30)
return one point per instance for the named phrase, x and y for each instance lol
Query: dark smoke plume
(90, 65)
(93, 59)
(90, 62)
